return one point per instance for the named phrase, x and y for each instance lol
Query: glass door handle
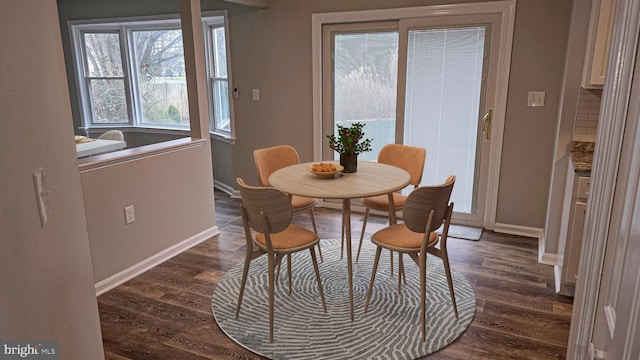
(486, 124)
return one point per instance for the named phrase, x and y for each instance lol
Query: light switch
(256, 94)
(129, 215)
(536, 98)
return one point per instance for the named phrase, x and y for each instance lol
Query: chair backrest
(273, 158)
(112, 135)
(267, 209)
(409, 158)
(423, 200)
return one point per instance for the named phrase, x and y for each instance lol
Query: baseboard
(538, 233)
(354, 208)
(153, 261)
(557, 277)
(223, 187)
(519, 230)
(550, 259)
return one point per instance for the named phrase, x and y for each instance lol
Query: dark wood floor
(165, 312)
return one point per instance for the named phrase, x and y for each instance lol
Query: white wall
(170, 185)
(46, 277)
(172, 195)
(564, 131)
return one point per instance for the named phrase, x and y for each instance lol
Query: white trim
(538, 233)
(253, 3)
(606, 165)
(557, 277)
(134, 154)
(153, 261)
(223, 187)
(505, 8)
(519, 230)
(90, 131)
(610, 314)
(550, 259)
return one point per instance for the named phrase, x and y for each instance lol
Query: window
(160, 78)
(218, 74)
(131, 73)
(105, 78)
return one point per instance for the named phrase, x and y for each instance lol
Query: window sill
(137, 153)
(223, 137)
(137, 129)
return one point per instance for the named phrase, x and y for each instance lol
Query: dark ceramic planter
(350, 163)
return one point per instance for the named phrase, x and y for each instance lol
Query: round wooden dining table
(371, 179)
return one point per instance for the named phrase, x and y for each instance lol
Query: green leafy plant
(350, 140)
(174, 114)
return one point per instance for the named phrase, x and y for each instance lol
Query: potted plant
(349, 143)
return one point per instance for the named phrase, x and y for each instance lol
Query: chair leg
(373, 277)
(364, 226)
(423, 295)
(289, 271)
(391, 261)
(315, 230)
(404, 274)
(245, 271)
(271, 275)
(447, 271)
(400, 272)
(315, 267)
(342, 241)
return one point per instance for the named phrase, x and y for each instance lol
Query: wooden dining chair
(409, 158)
(425, 210)
(270, 159)
(268, 212)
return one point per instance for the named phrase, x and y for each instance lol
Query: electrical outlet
(255, 93)
(129, 215)
(536, 98)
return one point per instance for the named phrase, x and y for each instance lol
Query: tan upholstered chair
(409, 158)
(270, 159)
(112, 135)
(425, 210)
(268, 212)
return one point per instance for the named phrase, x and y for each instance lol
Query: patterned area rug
(302, 330)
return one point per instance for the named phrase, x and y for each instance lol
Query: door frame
(614, 115)
(505, 9)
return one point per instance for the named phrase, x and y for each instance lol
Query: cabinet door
(598, 43)
(575, 240)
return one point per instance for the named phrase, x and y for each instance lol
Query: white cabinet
(574, 234)
(573, 243)
(598, 43)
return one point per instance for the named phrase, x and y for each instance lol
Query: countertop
(582, 155)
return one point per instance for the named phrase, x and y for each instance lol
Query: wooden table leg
(346, 218)
(392, 221)
(392, 210)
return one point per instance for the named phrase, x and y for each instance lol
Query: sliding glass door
(423, 82)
